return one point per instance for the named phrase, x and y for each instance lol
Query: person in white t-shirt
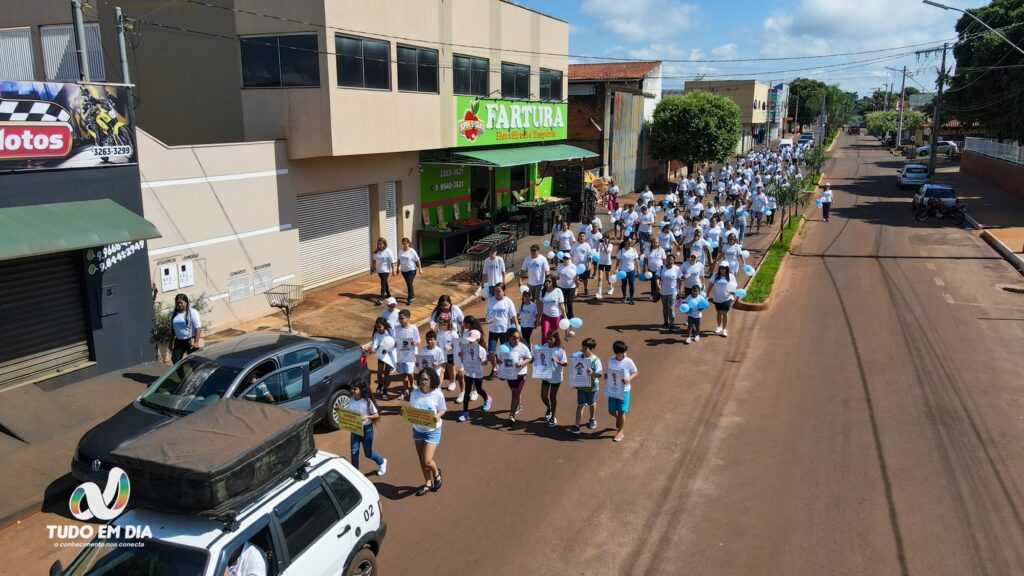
(408, 264)
(732, 254)
(669, 277)
(647, 196)
(646, 225)
(248, 560)
(493, 272)
(549, 387)
(565, 276)
(427, 396)
(619, 407)
(383, 264)
(501, 313)
(604, 267)
(528, 316)
(694, 303)
(533, 271)
(582, 253)
(521, 356)
(722, 288)
(692, 273)
(613, 196)
(407, 343)
(552, 302)
(629, 263)
(561, 240)
(360, 402)
(826, 202)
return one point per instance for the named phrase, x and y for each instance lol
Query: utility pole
(120, 46)
(885, 98)
(83, 56)
(903, 91)
(796, 113)
(937, 120)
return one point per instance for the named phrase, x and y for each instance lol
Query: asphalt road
(870, 423)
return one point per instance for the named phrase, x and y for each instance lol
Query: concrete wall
(652, 86)
(743, 92)
(1006, 176)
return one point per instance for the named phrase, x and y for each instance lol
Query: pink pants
(548, 325)
(613, 203)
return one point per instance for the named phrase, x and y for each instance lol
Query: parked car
(853, 129)
(289, 371)
(912, 175)
(806, 138)
(942, 146)
(934, 192)
(325, 521)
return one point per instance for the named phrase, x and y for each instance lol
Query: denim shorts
(615, 405)
(494, 338)
(432, 437)
(406, 368)
(586, 397)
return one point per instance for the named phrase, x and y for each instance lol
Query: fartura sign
(490, 122)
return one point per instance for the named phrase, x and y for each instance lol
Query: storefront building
(74, 281)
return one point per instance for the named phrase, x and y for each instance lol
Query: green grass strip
(761, 286)
(812, 183)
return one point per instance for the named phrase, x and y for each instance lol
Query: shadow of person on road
(392, 492)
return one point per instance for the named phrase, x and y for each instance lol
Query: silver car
(912, 176)
(942, 146)
(934, 193)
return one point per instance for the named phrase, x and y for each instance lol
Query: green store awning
(522, 155)
(48, 228)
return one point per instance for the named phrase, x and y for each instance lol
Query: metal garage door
(391, 214)
(334, 235)
(627, 124)
(44, 328)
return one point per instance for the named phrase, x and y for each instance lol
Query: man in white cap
(390, 314)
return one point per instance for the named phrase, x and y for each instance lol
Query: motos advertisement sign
(46, 125)
(484, 122)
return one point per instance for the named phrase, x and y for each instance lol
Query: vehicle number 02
(368, 513)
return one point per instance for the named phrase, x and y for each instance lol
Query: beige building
(752, 98)
(279, 139)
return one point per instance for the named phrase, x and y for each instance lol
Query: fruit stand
(458, 235)
(541, 213)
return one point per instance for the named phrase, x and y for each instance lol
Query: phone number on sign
(104, 151)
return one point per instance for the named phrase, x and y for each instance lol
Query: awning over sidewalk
(49, 228)
(521, 155)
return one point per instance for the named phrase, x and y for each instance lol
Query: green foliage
(761, 286)
(162, 331)
(815, 157)
(882, 122)
(805, 99)
(695, 127)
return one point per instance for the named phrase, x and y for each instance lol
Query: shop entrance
(479, 189)
(517, 178)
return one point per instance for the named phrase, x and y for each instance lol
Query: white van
(785, 143)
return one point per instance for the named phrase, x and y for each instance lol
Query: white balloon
(524, 289)
(387, 343)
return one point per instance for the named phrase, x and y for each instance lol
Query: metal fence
(1008, 152)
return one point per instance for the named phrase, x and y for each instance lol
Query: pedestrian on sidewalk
(527, 319)
(604, 267)
(582, 253)
(693, 314)
(723, 289)
(472, 360)
(826, 202)
(493, 273)
(408, 264)
(361, 402)
(566, 282)
(534, 270)
(448, 339)
(407, 340)
(552, 302)
(773, 205)
(670, 277)
(619, 366)
(445, 309)
(187, 326)
(501, 318)
(692, 273)
(758, 204)
(562, 238)
(628, 259)
(384, 265)
(732, 254)
(588, 396)
(613, 196)
(549, 386)
(426, 396)
(520, 357)
(382, 344)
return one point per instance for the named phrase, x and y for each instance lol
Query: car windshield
(190, 385)
(149, 557)
(941, 193)
(917, 170)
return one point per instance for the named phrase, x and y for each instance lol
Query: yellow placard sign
(350, 420)
(419, 416)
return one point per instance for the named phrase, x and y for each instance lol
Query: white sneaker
(473, 396)
(451, 386)
(383, 468)
(598, 295)
(611, 291)
(696, 338)
(458, 399)
(688, 340)
(718, 330)
(725, 333)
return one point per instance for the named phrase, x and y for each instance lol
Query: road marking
(939, 282)
(948, 298)
(923, 253)
(930, 266)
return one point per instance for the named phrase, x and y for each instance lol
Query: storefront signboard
(45, 125)
(485, 122)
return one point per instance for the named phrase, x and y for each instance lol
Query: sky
(693, 33)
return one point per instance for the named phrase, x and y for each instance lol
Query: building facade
(283, 139)
(752, 98)
(778, 106)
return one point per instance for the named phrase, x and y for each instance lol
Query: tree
(886, 122)
(805, 100)
(695, 127)
(978, 92)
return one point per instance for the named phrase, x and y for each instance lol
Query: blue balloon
(629, 231)
(595, 258)
(547, 243)
(748, 269)
(504, 349)
(703, 295)
(576, 323)
(560, 255)
(703, 305)
(818, 202)
(684, 308)
(580, 268)
(714, 244)
(620, 275)
(740, 292)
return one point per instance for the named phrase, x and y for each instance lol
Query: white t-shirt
(249, 563)
(408, 260)
(528, 315)
(447, 339)
(407, 339)
(655, 259)
(391, 317)
(481, 354)
(581, 253)
(722, 288)
(551, 302)
(185, 326)
(732, 253)
(669, 280)
(385, 357)
(594, 238)
(628, 259)
(502, 314)
(536, 269)
(700, 247)
(564, 239)
(556, 355)
(519, 353)
(566, 276)
(626, 365)
(666, 237)
(604, 253)
(494, 270)
(439, 355)
(364, 406)
(826, 195)
(692, 273)
(433, 400)
(383, 260)
(647, 222)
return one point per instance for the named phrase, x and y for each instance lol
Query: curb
(767, 304)
(1004, 251)
(974, 223)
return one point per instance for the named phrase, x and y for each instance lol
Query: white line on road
(948, 298)
(939, 282)
(930, 266)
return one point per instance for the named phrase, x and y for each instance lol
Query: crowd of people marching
(688, 247)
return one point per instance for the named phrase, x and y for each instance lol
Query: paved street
(870, 422)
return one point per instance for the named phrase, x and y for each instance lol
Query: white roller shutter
(334, 235)
(60, 57)
(391, 213)
(16, 54)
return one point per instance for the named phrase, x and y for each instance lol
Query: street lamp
(993, 30)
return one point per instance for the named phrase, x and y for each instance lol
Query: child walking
(588, 396)
(549, 387)
(407, 341)
(360, 402)
(385, 355)
(621, 366)
(521, 356)
(693, 315)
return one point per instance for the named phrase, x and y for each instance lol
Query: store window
(60, 53)
(470, 75)
(515, 80)
(16, 54)
(550, 84)
(363, 63)
(292, 60)
(417, 69)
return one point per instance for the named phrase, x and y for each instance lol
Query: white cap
(391, 301)
(473, 336)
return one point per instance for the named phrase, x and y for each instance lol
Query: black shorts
(723, 306)
(546, 383)
(451, 359)
(584, 276)
(692, 322)
(604, 267)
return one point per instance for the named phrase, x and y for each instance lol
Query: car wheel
(339, 399)
(364, 563)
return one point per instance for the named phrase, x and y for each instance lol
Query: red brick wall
(1003, 175)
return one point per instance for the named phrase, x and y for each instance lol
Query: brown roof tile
(612, 70)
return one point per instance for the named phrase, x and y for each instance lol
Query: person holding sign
(549, 386)
(432, 356)
(383, 345)
(448, 338)
(361, 404)
(520, 356)
(471, 356)
(584, 374)
(618, 379)
(501, 313)
(407, 341)
(427, 398)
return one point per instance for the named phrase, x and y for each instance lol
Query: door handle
(325, 380)
(345, 531)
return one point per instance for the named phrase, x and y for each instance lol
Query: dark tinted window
(550, 84)
(515, 80)
(290, 60)
(307, 520)
(192, 384)
(940, 193)
(147, 556)
(917, 170)
(470, 76)
(281, 386)
(363, 63)
(347, 494)
(417, 69)
(309, 356)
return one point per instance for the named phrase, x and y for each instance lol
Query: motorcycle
(956, 213)
(103, 124)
